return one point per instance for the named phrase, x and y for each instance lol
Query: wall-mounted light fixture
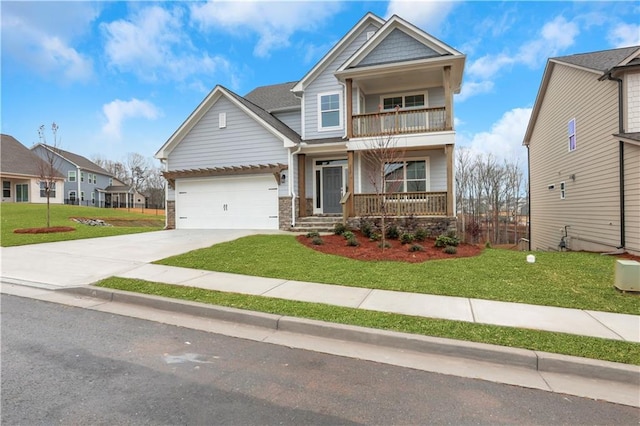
(572, 177)
(283, 178)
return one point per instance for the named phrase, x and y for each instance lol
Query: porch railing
(400, 122)
(401, 204)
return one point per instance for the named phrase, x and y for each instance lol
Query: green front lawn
(23, 215)
(572, 280)
(589, 347)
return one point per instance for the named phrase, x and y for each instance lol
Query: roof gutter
(620, 158)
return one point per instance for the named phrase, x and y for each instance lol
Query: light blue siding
(327, 82)
(397, 47)
(293, 119)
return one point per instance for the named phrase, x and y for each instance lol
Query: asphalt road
(67, 365)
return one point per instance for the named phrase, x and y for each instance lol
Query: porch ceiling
(400, 81)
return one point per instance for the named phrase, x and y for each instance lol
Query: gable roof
(338, 48)
(262, 117)
(274, 98)
(600, 63)
(18, 159)
(75, 159)
(427, 49)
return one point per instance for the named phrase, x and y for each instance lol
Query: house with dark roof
(299, 152)
(24, 175)
(88, 184)
(583, 142)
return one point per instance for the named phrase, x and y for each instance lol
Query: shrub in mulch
(44, 230)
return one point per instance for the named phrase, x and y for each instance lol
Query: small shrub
(450, 250)
(444, 240)
(367, 227)
(386, 244)
(348, 235)
(393, 233)
(416, 247)
(375, 237)
(339, 228)
(487, 244)
(421, 234)
(407, 238)
(352, 242)
(317, 241)
(312, 234)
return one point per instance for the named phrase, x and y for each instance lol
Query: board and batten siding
(632, 198)
(326, 82)
(243, 142)
(592, 205)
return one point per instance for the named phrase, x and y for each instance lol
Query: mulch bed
(369, 250)
(49, 230)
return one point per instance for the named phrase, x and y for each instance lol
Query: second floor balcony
(397, 122)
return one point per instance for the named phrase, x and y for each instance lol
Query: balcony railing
(421, 120)
(401, 204)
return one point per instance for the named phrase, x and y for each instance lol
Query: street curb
(523, 358)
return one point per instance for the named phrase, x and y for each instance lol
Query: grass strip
(561, 343)
(568, 279)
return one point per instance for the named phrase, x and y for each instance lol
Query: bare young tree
(48, 166)
(138, 169)
(384, 162)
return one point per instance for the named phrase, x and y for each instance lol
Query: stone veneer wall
(434, 225)
(284, 213)
(171, 215)
(309, 205)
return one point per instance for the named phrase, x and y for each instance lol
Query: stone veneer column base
(171, 215)
(284, 213)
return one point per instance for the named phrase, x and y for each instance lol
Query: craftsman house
(583, 140)
(24, 175)
(289, 152)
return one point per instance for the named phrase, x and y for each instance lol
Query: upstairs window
(330, 117)
(71, 175)
(563, 190)
(572, 135)
(403, 101)
(81, 176)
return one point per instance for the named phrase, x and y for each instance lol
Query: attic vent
(370, 34)
(222, 120)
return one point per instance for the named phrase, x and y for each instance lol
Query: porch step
(323, 223)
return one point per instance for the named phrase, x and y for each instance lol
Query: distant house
(583, 140)
(88, 184)
(21, 171)
(295, 151)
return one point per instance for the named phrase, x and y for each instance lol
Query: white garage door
(239, 202)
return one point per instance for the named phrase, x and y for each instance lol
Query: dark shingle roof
(18, 159)
(270, 119)
(275, 97)
(601, 61)
(79, 161)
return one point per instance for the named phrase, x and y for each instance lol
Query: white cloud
(30, 35)
(504, 140)
(273, 22)
(624, 35)
(487, 66)
(118, 111)
(153, 45)
(473, 88)
(428, 15)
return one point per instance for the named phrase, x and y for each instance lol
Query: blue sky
(121, 77)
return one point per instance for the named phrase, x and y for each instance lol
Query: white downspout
(291, 185)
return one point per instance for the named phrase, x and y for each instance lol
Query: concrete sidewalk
(564, 320)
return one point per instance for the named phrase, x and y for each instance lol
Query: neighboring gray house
(583, 140)
(21, 172)
(288, 152)
(88, 184)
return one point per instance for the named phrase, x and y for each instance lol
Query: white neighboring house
(288, 152)
(21, 171)
(583, 140)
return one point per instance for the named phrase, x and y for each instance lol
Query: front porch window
(405, 176)
(404, 101)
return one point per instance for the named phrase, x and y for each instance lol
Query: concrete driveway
(81, 262)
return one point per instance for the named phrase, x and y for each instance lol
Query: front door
(331, 189)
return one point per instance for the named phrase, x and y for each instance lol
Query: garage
(238, 202)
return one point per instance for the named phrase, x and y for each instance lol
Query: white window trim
(82, 177)
(69, 173)
(403, 95)
(340, 126)
(563, 190)
(81, 195)
(75, 195)
(93, 198)
(427, 170)
(222, 120)
(575, 135)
